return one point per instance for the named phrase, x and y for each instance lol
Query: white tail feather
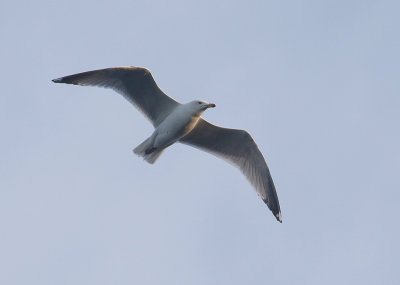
(141, 149)
(146, 150)
(152, 157)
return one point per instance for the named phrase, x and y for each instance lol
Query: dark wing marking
(135, 83)
(238, 148)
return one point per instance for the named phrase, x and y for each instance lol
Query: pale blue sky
(315, 82)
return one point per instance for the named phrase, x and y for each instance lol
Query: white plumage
(175, 122)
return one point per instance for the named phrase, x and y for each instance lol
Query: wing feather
(238, 148)
(136, 84)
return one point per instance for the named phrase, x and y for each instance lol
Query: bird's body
(178, 124)
(175, 126)
(174, 122)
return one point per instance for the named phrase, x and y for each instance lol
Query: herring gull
(174, 122)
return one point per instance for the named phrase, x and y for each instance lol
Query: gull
(175, 122)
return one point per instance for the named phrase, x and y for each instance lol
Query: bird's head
(200, 106)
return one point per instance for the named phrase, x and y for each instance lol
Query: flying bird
(175, 122)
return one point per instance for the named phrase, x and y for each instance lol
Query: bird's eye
(199, 102)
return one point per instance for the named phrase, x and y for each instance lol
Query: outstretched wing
(238, 148)
(136, 84)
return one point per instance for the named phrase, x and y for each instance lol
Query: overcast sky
(316, 83)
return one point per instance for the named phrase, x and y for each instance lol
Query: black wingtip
(279, 217)
(57, 80)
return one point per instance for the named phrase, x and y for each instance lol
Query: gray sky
(314, 82)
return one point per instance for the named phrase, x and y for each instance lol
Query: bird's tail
(147, 151)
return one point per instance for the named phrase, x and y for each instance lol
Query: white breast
(179, 123)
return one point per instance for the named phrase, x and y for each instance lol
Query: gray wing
(135, 83)
(238, 148)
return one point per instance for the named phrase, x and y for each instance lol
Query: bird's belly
(172, 129)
